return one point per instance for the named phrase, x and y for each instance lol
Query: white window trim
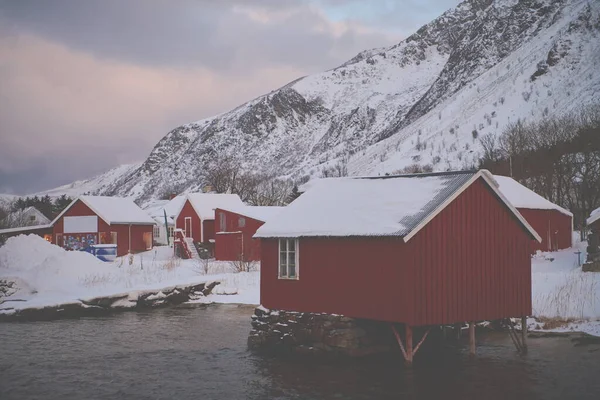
(297, 258)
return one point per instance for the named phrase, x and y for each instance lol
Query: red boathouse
(235, 228)
(103, 220)
(421, 250)
(553, 223)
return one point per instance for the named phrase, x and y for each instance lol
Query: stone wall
(309, 333)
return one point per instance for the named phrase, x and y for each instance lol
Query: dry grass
(95, 280)
(571, 298)
(172, 264)
(555, 323)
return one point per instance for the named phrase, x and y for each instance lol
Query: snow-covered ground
(564, 297)
(47, 275)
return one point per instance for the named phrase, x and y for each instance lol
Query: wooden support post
(524, 335)
(399, 339)
(421, 342)
(458, 331)
(409, 344)
(472, 338)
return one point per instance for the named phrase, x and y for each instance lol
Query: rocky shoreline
(104, 305)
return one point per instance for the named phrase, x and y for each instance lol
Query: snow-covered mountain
(426, 100)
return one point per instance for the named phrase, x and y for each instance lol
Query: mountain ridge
(427, 99)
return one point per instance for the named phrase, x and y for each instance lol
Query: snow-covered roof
(522, 197)
(157, 208)
(594, 216)
(260, 213)
(25, 228)
(377, 206)
(205, 203)
(113, 210)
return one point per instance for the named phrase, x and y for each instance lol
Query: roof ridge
(420, 175)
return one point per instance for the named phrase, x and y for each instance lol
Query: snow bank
(562, 292)
(47, 275)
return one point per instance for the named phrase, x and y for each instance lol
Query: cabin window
(222, 222)
(241, 222)
(288, 258)
(171, 231)
(32, 218)
(156, 231)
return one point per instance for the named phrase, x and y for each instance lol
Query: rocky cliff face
(424, 100)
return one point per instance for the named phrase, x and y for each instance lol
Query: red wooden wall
(228, 247)
(79, 209)
(554, 228)
(209, 230)
(188, 211)
(595, 227)
(470, 263)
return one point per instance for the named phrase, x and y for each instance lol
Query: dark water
(200, 353)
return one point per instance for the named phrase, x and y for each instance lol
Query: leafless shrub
(242, 265)
(414, 169)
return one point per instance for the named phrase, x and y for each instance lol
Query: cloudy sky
(88, 85)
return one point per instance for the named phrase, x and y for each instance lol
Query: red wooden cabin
(553, 223)
(197, 216)
(235, 228)
(422, 250)
(103, 220)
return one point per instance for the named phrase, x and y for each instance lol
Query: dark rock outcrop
(103, 305)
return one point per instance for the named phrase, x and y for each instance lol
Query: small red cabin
(103, 220)
(553, 223)
(197, 216)
(235, 228)
(425, 249)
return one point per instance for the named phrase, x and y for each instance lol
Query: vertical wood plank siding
(470, 263)
(554, 228)
(188, 211)
(228, 247)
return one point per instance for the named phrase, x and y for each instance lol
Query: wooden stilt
(457, 331)
(524, 335)
(399, 340)
(421, 342)
(472, 338)
(409, 344)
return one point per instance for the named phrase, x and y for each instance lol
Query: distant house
(235, 228)
(197, 215)
(157, 209)
(594, 221)
(553, 223)
(29, 216)
(91, 220)
(422, 250)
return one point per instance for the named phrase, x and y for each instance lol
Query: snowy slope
(426, 100)
(93, 186)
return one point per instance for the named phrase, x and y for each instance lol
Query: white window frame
(296, 259)
(156, 231)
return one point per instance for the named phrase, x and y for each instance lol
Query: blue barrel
(104, 252)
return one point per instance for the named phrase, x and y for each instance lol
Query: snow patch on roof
(260, 213)
(156, 209)
(522, 197)
(117, 210)
(205, 203)
(594, 216)
(390, 206)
